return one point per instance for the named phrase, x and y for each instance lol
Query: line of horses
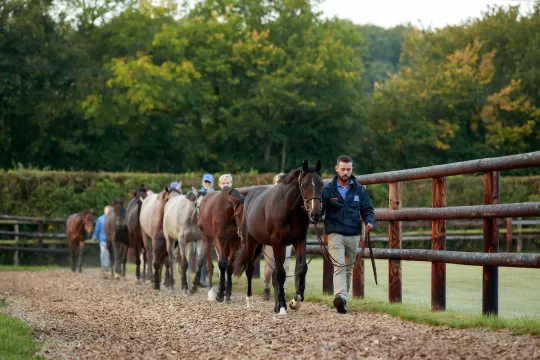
(236, 222)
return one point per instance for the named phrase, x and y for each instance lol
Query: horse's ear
(195, 191)
(179, 186)
(233, 199)
(319, 166)
(166, 188)
(305, 166)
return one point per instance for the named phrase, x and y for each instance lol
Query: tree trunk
(267, 150)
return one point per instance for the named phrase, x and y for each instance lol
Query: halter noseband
(304, 200)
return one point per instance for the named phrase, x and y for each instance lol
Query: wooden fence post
(394, 240)
(508, 234)
(358, 270)
(490, 289)
(328, 273)
(16, 253)
(519, 240)
(438, 242)
(39, 255)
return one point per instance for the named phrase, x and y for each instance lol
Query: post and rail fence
(490, 212)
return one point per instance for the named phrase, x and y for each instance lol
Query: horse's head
(88, 221)
(196, 198)
(311, 184)
(174, 191)
(119, 212)
(141, 193)
(238, 201)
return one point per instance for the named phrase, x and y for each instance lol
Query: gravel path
(83, 316)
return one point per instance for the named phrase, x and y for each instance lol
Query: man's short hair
(343, 158)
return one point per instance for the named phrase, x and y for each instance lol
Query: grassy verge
(17, 339)
(518, 296)
(27, 268)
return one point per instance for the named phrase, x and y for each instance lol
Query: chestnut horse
(279, 216)
(217, 223)
(134, 231)
(117, 239)
(79, 227)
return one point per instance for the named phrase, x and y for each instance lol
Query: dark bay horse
(134, 231)
(217, 223)
(279, 216)
(79, 227)
(117, 238)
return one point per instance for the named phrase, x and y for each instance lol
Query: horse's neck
(291, 194)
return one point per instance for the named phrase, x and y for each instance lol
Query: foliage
(123, 85)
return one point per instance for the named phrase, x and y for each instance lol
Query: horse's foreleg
(230, 265)
(182, 268)
(156, 262)
(170, 276)
(200, 263)
(80, 255)
(73, 255)
(137, 253)
(300, 275)
(222, 264)
(145, 263)
(280, 276)
(209, 267)
(147, 241)
(250, 245)
(125, 250)
(116, 258)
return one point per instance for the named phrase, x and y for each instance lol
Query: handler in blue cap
(207, 183)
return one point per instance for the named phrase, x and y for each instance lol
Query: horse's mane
(292, 175)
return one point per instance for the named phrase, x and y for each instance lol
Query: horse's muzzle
(315, 218)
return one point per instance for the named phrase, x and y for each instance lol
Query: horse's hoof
(228, 300)
(148, 282)
(220, 297)
(116, 277)
(282, 311)
(296, 302)
(266, 295)
(138, 282)
(211, 295)
(295, 305)
(193, 290)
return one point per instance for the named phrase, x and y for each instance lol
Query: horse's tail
(239, 262)
(239, 265)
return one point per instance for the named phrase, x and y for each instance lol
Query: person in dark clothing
(344, 202)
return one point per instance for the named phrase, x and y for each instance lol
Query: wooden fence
(438, 214)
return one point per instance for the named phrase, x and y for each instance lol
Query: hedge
(60, 193)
